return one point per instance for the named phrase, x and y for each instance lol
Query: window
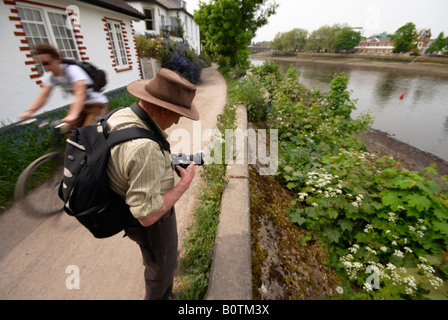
(63, 35)
(149, 20)
(48, 27)
(116, 40)
(33, 26)
(174, 25)
(163, 20)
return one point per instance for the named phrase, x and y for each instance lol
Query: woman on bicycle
(87, 105)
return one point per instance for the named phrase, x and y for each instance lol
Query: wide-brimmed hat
(167, 90)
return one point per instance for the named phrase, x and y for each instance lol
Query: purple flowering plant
(173, 55)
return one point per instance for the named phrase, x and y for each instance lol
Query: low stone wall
(231, 271)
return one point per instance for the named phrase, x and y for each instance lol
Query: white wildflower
(398, 253)
(392, 216)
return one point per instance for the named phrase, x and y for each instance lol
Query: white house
(100, 31)
(375, 45)
(170, 17)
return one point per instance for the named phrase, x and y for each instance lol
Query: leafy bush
(269, 74)
(373, 216)
(252, 94)
(151, 47)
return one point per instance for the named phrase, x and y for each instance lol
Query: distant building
(424, 40)
(375, 45)
(259, 47)
(384, 45)
(170, 17)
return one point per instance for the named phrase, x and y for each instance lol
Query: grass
(195, 264)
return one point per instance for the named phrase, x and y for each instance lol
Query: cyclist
(87, 105)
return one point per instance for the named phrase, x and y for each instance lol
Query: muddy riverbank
(382, 144)
(422, 65)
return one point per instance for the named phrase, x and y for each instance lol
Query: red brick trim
(29, 61)
(140, 70)
(41, 4)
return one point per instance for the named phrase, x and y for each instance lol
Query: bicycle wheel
(41, 200)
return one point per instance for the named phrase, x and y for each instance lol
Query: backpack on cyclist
(85, 187)
(98, 76)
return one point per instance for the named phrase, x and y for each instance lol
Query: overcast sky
(372, 16)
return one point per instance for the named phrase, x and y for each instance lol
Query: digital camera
(183, 160)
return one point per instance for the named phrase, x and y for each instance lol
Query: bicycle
(43, 200)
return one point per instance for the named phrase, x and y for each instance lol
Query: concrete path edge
(231, 270)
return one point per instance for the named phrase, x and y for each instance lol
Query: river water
(419, 119)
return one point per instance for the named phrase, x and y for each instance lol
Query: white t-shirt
(70, 74)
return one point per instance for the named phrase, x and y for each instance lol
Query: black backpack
(98, 76)
(85, 187)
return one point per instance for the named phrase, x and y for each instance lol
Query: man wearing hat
(141, 171)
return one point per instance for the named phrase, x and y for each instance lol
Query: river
(419, 119)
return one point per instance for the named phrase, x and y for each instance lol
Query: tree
(290, 41)
(405, 38)
(323, 38)
(439, 45)
(277, 43)
(347, 40)
(228, 26)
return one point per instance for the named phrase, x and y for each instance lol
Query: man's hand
(186, 175)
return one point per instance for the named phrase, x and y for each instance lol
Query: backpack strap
(76, 63)
(145, 118)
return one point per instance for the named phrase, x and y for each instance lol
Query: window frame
(49, 28)
(118, 44)
(151, 19)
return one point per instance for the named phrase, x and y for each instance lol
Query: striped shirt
(138, 170)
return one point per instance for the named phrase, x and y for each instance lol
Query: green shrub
(372, 216)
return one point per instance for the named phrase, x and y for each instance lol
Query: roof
(116, 5)
(377, 39)
(167, 4)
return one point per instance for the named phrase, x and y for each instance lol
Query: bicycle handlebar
(58, 124)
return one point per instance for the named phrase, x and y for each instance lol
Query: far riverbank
(436, 66)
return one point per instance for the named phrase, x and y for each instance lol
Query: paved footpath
(40, 257)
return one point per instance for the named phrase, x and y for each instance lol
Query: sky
(373, 17)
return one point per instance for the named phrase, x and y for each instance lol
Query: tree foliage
(228, 26)
(405, 38)
(347, 40)
(323, 39)
(439, 45)
(290, 41)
